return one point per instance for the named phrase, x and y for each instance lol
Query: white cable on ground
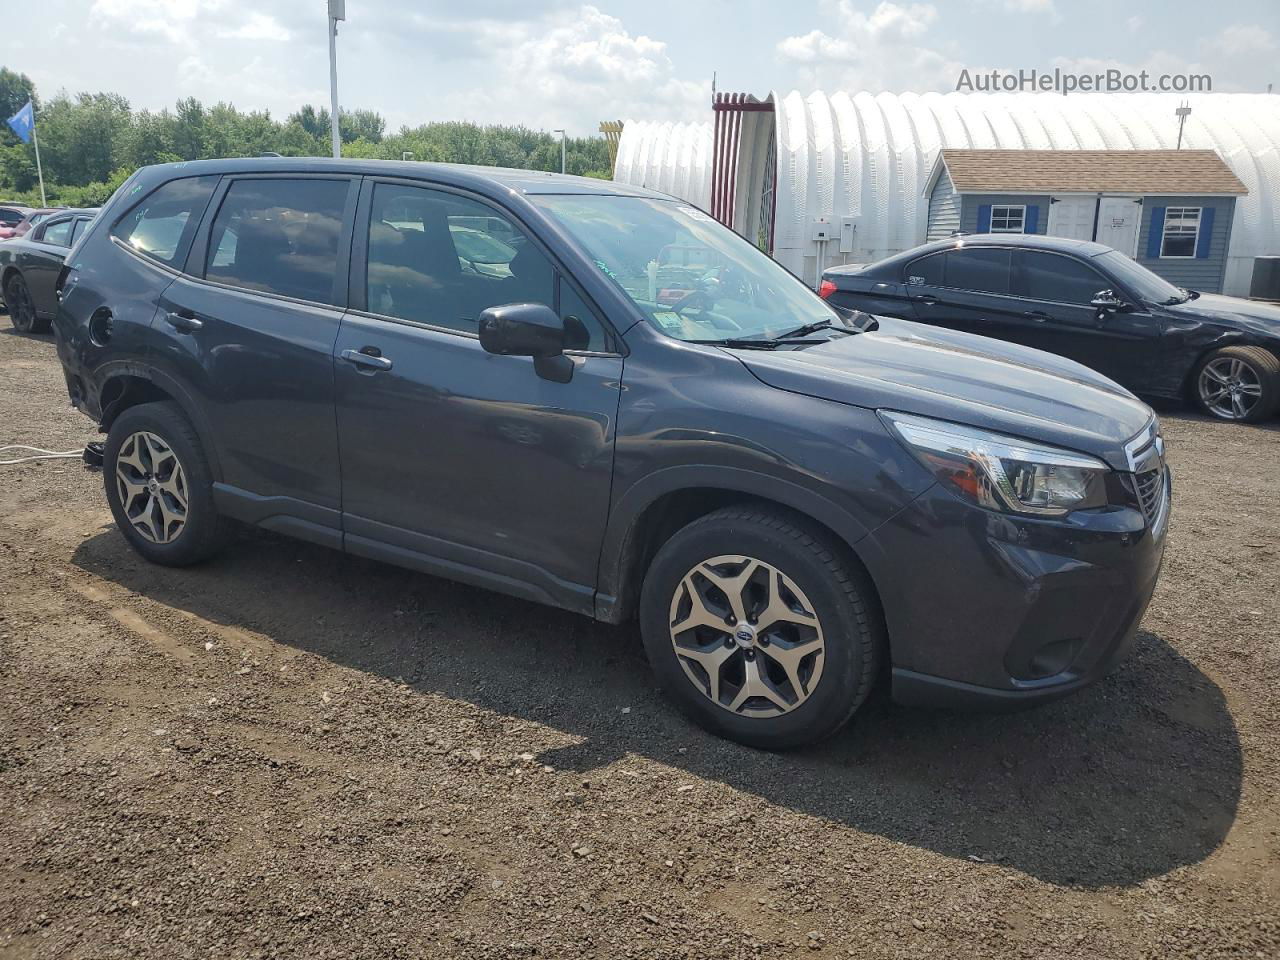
(40, 454)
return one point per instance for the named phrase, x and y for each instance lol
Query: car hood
(1263, 318)
(963, 378)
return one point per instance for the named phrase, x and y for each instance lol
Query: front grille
(1150, 489)
(1149, 477)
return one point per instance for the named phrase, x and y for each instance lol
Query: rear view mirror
(1107, 300)
(528, 330)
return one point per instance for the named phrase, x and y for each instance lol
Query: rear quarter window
(161, 226)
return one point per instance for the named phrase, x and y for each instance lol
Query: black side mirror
(528, 330)
(1107, 300)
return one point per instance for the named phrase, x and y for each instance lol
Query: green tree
(91, 142)
(81, 140)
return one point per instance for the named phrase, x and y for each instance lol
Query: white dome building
(855, 167)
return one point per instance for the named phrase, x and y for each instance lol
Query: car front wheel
(760, 628)
(1239, 383)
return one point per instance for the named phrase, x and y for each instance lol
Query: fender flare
(617, 545)
(166, 384)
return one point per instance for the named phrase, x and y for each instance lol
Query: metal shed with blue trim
(1171, 210)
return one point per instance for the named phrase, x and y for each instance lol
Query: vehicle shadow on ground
(1132, 778)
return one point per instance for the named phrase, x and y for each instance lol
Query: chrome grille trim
(1146, 446)
(1145, 454)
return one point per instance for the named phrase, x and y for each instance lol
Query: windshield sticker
(605, 268)
(695, 214)
(667, 320)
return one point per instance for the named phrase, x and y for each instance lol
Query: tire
(794, 564)
(1240, 384)
(22, 309)
(152, 458)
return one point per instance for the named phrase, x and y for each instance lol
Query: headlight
(1003, 473)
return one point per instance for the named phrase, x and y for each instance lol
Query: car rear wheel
(1239, 383)
(160, 487)
(759, 628)
(22, 309)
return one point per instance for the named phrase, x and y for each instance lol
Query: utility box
(846, 234)
(822, 229)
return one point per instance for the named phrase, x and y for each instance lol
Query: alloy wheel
(746, 636)
(152, 487)
(21, 310)
(1230, 388)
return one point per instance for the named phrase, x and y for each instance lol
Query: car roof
(520, 181)
(1025, 241)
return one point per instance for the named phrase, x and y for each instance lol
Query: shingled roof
(1146, 172)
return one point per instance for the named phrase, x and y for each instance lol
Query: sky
(563, 63)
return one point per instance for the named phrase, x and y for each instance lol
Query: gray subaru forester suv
(597, 397)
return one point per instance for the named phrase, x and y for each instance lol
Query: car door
(40, 261)
(455, 460)
(1059, 291)
(250, 330)
(965, 288)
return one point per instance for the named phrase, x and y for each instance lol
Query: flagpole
(39, 170)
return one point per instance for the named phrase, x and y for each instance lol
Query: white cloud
(876, 51)
(574, 66)
(1029, 6)
(1134, 24)
(1239, 40)
(259, 26)
(185, 23)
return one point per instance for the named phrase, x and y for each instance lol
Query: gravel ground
(291, 753)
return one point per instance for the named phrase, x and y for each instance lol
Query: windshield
(691, 277)
(1141, 282)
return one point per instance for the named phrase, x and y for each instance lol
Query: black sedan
(1087, 302)
(29, 267)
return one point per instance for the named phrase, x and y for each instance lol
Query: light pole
(562, 136)
(337, 11)
(1183, 111)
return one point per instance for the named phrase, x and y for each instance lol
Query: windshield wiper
(814, 327)
(743, 344)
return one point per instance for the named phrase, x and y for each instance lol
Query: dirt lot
(289, 753)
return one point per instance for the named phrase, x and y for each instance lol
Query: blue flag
(23, 122)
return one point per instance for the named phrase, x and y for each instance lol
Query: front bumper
(991, 610)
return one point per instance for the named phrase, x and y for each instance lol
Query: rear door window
(280, 236)
(1050, 276)
(927, 271)
(161, 226)
(981, 269)
(58, 233)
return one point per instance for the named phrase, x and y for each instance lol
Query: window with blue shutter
(1206, 234)
(1155, 233)
(1032, 221)
(984, 218)
(1181, 233)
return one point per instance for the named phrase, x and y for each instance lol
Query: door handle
(183, 323)
(926, 298)
(1039, 316)
(369, 357)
